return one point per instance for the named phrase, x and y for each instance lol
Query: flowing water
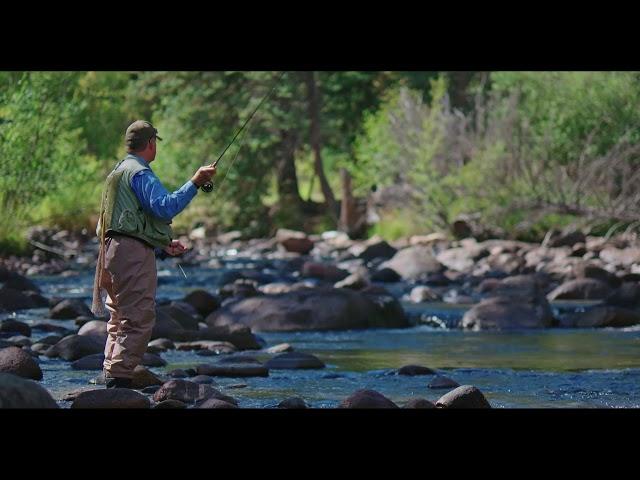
(541, 368)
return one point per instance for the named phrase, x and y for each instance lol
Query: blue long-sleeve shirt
(156, 200)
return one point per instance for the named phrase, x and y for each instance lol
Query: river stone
(14, 326)
(413, 262)
(238, 359)
(323, 271)
(294, 361)
(626, 296)
(111, 398)
(166, 327)
(16, 361)
(203, 379)
(293, 402)
(19, 341)
(422, 294)
(581, 289)
(19, 282)
(11, 299)
(587, 270)
(459, 259)
(185, 320)
(17, 392)
(40, 348)
(504, 313)
(624, 257)
(50, 339)
(153, 360)
(413, 370)
(419, 403)
(215, 403)
(313, 309)
(443, 382)
(601, 316)
(48, 327)
(38, 300)
(69, 309)
(367, 399)
(238, 335)
(143, 377)
(216, 348)
(232, 370)
(293, 241)
(96, 329)
(74, 347)
(385, 275)
(150, 390)
(170, 404)
(465, 396)
(280, 348)
(90, 362)
(355, 281)
(202, 301)
(188, 392)
(177, 373)
(162, 344)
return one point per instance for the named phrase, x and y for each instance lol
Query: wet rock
(151, 390)
(90, 362)
(203, 302)
(422, 294)
(355, 281)
(238, 359)
(19, 282)
(567, 239)
(19, 341)
(385, 275)
(276, 288)
(216, 348)
(367, 399)
(215, 403)
(460, 259)
(236, 385)
(322, 271)
(280, 348)
(166, 327)
(48, 327)
(419, 403)
(238, 335)
(313, 309)
(376, 250)
(203, 379)
(177, 373)
(232, 370)
(143, 378)
(587, 270)
(72, 395)
(185, 320)
(97, 329)
(503, 313)
(294, 361)
(293, 402)
(239, 289)
(18, 392)
(465, 396)
(69, 309)
(153, 360)
(38, 300)
(293, 241)
(170, 404)
(413, 370)
(443, 382)
(39, 348)
(413, 262)
(162, 344)
(16, 361)
(14, 326)
(626, 296)
(188, 392)
(111, 398)
(601, 316)
(11, 299)
(581, 289)
(74, 347)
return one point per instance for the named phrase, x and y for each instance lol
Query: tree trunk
(348, 214)
(286, 170)
(316, 143)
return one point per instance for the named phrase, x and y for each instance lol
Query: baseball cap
(139, 133)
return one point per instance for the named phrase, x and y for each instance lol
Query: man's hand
(203, 175)
(176, 248)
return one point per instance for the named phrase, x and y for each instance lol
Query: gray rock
(465, 396)
(367, 399)
(74, 347)
(581, 289)
(170, 404)
(96, 329)
(413, 370)
(413, 262)
(203, 302)
(188, 392)
(215, 403)
(69, 309)
(16, 361)
(443, 382)
(231, 370)
(293, 402)
(111, 398)
(294, 361)
(14, 326)
(17, 392)
(419, 403)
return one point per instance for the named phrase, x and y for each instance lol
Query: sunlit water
(549, 368)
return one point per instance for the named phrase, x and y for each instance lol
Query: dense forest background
(511, 154)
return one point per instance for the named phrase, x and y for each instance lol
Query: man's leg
(131, 302)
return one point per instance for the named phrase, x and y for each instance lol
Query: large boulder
(581, 289)
(17, 392)
(166, 327)
(601, 316)
(12, 299)
(14, 326)
(96, 329)
(419, 403)
(504, 313)
(367, 399)
(412, 263)
(183, 318)
(465, 396)
(69, 309)
(73, 347)
(111, 398)
(294, 361)
(189, 392)
(312, 309)
(202, 301)
(16, 361)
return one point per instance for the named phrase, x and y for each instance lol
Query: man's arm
(156, 200)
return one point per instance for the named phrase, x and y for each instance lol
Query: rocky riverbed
(324, 321)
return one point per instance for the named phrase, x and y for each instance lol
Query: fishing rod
(208, 186)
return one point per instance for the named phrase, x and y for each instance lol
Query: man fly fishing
(134, 227)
